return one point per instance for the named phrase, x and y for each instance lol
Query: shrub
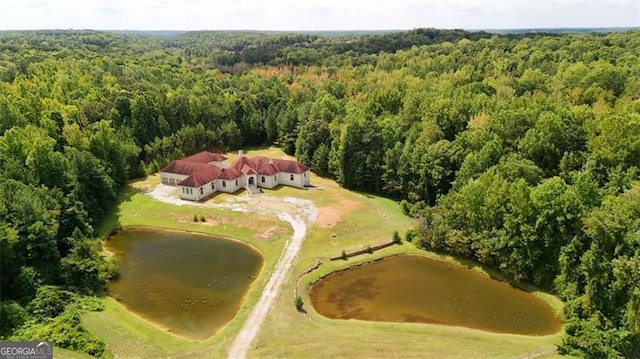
(203, 219)
(405, 206)
(369, 250)
(13, 316)
(67, 332)
(410, 235)
(195, 218)
(344, 255)
(396, 237)
(299, 303)
(49, 302)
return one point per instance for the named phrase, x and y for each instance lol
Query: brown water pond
(187, 283)
(417, 289)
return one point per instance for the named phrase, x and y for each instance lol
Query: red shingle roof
(246, 169)
(202, 177)
(201, 172)
(205, 157)
(183, 167)
(269, 167)
(268, 170)
(290, 166)
(230, 174)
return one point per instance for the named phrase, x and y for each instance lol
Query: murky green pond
(186, 283)
(417, 289)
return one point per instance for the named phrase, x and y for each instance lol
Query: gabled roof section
(290, 166)
(267, 166)
(202, 177)
(183, 167)
(240, 162)
(268, 170)
(247, 170)
(230, 174)
(205, 157)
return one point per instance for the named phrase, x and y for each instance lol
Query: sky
(314, 14)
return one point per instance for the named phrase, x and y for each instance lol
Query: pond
(186, 283)
(418, 289)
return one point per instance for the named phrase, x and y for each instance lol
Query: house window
(262, 179)
(291, 177)
(275, 177)
(213, 185)
(236, 182)
(224, 183)
(201, 190)
(190, 190)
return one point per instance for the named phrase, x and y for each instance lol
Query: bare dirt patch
(329, 216)
(267, 233)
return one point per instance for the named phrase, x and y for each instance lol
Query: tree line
(519, 152)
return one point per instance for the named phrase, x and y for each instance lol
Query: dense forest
(520, 152)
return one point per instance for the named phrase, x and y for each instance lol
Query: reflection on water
(190, 284)
(418, 289)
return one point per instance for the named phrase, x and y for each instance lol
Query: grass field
(346, 220)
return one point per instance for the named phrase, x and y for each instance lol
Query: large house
(205, 173)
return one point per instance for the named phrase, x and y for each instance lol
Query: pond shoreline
(448, 295)
(182, 282)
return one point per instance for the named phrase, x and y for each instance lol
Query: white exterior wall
(306, 178)
(230, 185)
(194, 193)
(285, 179)
(172, 179)
(188, 193)
(269, 181)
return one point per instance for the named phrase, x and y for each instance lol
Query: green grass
(129, 336)
(362, 339)
(68, 354)
(357, 220)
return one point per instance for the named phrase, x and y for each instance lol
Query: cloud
(37, 4)
(315, 14)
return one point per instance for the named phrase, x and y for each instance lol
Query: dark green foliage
(396, 237)
(49, 302)
(410, 235)
(13, 316)
(520, 151)
(299, 304)
(65, 331)
(84, 269)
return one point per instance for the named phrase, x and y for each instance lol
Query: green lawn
(129, 336)
(346, 220)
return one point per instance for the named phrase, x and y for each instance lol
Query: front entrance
(251, 180)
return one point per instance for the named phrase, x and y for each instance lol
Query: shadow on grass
(112, 220)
